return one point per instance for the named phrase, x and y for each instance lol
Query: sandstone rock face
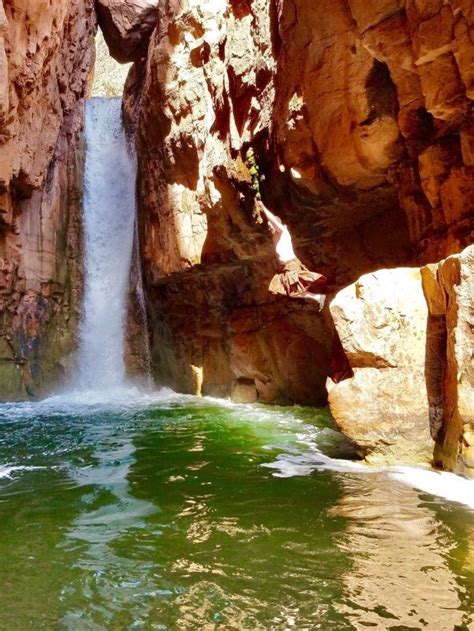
(360, 120)
(449, 290)
(382, 325)
(127, 26)
(211, 86)
(410, 345)
(46, 53)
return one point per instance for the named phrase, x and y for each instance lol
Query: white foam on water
(90, 402)
(299, 458)
(449, 486)
(7, 471)
(441, 484)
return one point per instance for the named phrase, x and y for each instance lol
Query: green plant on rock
(257, 179)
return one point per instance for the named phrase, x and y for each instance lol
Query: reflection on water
(110, 512)
(401, 574)
(175, 513)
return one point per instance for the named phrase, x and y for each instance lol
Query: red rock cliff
(360, 117)
(46, 54)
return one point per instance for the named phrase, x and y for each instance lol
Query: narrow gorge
(138, 330)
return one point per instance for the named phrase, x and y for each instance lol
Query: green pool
(168, 512)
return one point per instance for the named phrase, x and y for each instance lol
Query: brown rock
(354, 111)
(127, 26)
(455, 278)
(46, 54)
(457, 195)
(244, 391)
(434, 293)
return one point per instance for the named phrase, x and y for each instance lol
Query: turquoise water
(169, 512)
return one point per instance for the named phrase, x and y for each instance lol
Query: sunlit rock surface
(408, 337)
(382, 325)
(46, 53)
(359, 114)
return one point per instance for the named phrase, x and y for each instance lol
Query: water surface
(169, 512)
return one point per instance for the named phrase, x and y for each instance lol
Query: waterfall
(109, 219)
(142, 315)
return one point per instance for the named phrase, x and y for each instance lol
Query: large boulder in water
(127, 26)
(383, 408)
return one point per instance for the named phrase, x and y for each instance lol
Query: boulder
(381, 321)
(127, 26)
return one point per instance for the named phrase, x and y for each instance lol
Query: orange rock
(46, 54)
(457, 194)
(354, 111)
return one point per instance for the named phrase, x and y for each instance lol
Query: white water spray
(109, 217)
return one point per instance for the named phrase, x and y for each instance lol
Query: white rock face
(377, 319)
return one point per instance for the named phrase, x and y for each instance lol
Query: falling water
(109, 217)
(141, 315)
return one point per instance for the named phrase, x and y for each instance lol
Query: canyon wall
(361, 123)
(46, 54)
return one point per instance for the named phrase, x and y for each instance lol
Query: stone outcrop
(449, 290)
(46, 53)
(127, 26)
(359, 115)
(213, 84)
(383, 408)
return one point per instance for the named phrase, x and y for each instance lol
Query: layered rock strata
(46, 54)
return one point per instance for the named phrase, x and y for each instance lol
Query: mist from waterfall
(109, 218)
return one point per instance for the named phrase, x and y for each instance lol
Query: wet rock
(244, 391)
(127, 26)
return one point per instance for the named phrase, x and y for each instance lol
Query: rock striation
(360, 117)
(217, 80)
(46, 54)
